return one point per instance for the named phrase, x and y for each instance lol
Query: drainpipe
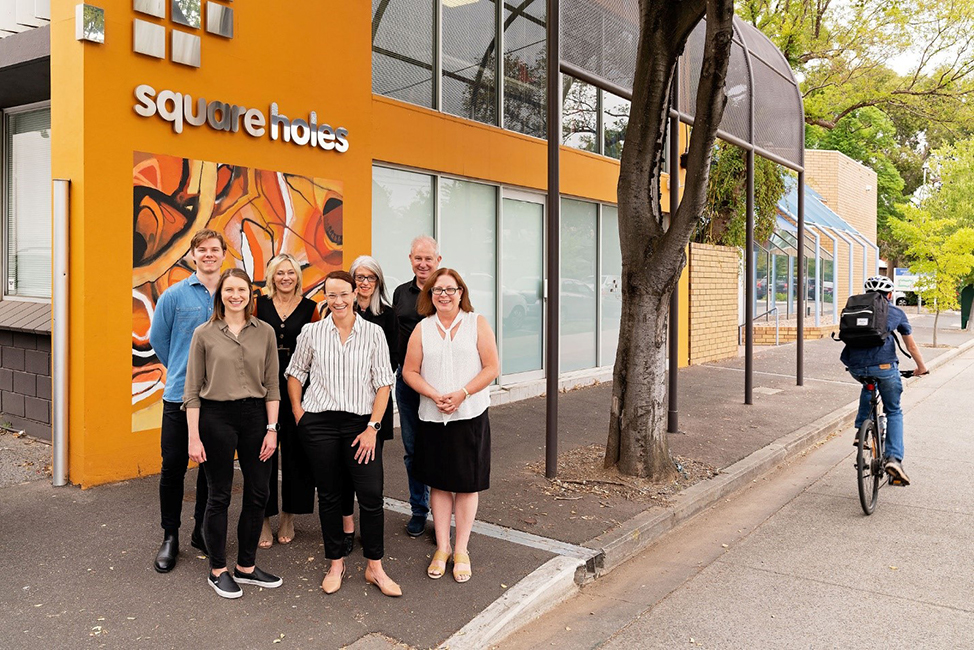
(59, 334)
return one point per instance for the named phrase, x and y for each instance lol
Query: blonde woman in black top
(231, 397)
(286, 310)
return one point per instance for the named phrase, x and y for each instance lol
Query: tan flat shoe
(461, 567)
(266, 536)
(388, 587)
(331, 584)
(285, 531)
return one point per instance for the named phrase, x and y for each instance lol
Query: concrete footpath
(77, 564)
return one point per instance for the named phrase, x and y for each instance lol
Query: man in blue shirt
(882, 363)
(180, 310)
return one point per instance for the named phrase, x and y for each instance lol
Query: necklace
(284, 309)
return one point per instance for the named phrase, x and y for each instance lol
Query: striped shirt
(344, 377)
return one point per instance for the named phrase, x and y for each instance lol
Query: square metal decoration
(185, 48)
(89, 23)
(186, 12)
(149, 39)
(155, 8)
(219, 20)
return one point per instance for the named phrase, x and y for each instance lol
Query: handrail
(773, 310)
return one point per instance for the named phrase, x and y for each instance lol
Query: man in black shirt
(424, 256)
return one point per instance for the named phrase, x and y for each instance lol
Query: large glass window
(27, 190)
(468, 239)
(470, 59)
(611, 284)
(522, 271)
(615, 121)
(402, 50)
(579, 277)
(580, 114)
(402, 209)
(524, 67)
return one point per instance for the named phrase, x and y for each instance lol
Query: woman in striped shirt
(339, 417)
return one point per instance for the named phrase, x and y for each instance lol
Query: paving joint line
(513, 535)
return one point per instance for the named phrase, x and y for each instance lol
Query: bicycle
(871, 448)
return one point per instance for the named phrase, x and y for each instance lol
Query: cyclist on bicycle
(882, 363)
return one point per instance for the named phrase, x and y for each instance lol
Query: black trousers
(227, 427)
(327, 437)
(297, 481)
(175, 456)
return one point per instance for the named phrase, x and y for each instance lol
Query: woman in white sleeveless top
(450, 361)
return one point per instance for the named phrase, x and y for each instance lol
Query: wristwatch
(274, 427)
(375, 425)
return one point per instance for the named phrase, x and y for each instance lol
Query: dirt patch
(22, 458)
(580, 472)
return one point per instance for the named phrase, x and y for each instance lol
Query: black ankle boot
(166, 557)
(197, 540)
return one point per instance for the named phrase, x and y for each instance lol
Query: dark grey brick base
(25, 382)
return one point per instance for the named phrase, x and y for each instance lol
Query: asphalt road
(792, 562)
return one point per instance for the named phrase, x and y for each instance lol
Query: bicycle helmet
(879, 283)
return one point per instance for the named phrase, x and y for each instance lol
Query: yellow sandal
(437, 565)
(461, 575)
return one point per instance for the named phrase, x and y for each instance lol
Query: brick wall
(714, 272)
(765, 334)
(849, 190)
(25, 382)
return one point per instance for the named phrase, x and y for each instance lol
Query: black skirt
(454, 457)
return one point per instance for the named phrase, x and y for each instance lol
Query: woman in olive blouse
(286, 310)
(231, 397)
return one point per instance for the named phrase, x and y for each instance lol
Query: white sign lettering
(180, 110)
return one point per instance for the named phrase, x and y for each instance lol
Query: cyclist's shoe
(895, 469)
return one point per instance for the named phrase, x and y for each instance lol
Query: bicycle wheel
(869, 469)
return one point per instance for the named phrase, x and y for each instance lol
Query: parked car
(903, 298)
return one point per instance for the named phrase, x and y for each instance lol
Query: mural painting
(261, 213)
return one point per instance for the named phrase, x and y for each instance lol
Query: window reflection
(580, 114)
(468, 239)
(402, 209)
(402, 50)
(522, 267)
(615, 120)
(525, 72)
(578, 297)
(611, 284)
(469, 60)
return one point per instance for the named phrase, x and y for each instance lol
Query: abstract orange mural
(260, 213)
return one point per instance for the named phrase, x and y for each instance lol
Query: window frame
(5, 115)
(530, 195)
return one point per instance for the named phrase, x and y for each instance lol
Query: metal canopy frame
(602, 37)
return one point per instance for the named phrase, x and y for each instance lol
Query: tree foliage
(895, 76)
(938, 232)
(941, 254)
(725, 215)
(914, 56)
(868, 135)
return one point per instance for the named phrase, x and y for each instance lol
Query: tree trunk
(639, 389)
(653, 258)
(936, 319)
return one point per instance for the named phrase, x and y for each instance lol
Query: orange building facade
(282, 126)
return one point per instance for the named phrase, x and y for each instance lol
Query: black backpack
(862, 323)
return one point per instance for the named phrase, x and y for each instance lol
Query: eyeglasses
(371, 279)
(439, 291)
(344, 295)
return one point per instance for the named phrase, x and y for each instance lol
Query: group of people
(282, 382)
